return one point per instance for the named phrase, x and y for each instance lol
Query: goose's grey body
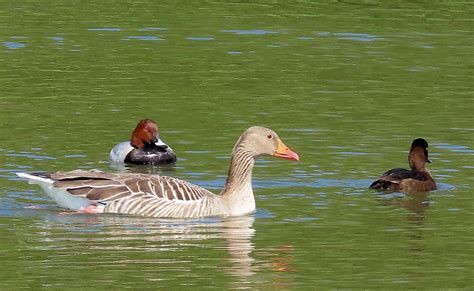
(135, 194)
(161, 196)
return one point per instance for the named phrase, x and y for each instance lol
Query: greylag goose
(161, 196)
(144, 148)
(417, 179)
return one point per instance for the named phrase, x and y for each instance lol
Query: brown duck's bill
(284, 152)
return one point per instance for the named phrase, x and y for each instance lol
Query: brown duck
(417, 179)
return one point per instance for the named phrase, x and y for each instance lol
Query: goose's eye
(269, 136)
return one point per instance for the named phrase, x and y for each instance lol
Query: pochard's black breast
(151, 155)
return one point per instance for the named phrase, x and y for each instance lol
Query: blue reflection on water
(56, 38)
(144, 37)
(323, 33)
(252, 31)
(357, 36)
(104, 29)
(454, 148)
(30, 155)
(152, 29)
(14, 45)
(75, 156)
(9, 174)
(199, 38)
(349, 153)
(269, 184)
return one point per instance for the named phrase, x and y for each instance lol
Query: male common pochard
(144, 148)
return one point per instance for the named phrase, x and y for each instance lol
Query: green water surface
(346, 84)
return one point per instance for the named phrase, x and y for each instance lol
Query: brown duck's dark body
(417, 179)
(402, 179)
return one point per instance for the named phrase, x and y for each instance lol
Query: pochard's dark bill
(162, 147)
(429, 161)
(284, 152)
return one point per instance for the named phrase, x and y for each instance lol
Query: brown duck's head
(418, 155)
(146, 132)
(259, 140)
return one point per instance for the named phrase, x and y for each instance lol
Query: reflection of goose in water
(188, 240)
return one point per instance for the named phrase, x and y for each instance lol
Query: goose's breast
(145, 205)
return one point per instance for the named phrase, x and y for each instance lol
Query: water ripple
(249, 32)
(143, 37)
(199, 38)
(30, 155)
(56, 38)
(153, 29)
(357, 36)
(454, 148)
(14, 45)
(104, 29)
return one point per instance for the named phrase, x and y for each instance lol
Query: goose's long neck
(239, 179)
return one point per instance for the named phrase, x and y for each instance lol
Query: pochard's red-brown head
(146, 132)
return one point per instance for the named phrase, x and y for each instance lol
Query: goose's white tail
(32, 179)
(60, 196)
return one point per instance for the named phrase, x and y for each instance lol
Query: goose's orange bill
(284, 152)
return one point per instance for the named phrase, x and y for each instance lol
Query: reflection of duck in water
(144, 148)
(417, 179)
(161, 196)
(415, 203)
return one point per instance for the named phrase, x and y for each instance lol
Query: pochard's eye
(269, 136)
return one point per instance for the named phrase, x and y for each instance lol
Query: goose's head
(259, 141)
(418, 155)
(146, 132)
